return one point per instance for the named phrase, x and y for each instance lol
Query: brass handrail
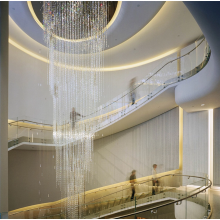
(175, 201)
(149, 180)
(34, 122)
(110, 193)
(202, 66)
(149, 209)
(152, 75)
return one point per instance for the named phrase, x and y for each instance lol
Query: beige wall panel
(154, 141)
(32, 178)
(195, 143)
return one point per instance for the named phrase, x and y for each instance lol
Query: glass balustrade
(30, 131)
(192, 59)
(172, 71)
(172, 199)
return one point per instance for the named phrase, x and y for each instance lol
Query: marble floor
(214, 200)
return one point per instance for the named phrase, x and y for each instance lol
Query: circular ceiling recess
(84, 10)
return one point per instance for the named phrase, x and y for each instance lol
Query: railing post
(135, 204)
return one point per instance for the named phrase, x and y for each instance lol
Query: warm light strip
(84, 39)
(34, 15)
(118, 8)
(210, 151)
(180, 138)
(88, 69)
(29, 125)
(109, 187)
(27, 51)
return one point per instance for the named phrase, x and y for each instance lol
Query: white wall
(29, 94)
(189, 210)
(28, 90)
(154, 141)
(195, 143)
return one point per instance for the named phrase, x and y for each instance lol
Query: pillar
(4, 109)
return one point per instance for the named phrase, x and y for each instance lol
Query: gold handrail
(92, 202)
(169, 203)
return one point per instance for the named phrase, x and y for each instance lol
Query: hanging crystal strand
(75, 38)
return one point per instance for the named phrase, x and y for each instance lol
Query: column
(4, 109)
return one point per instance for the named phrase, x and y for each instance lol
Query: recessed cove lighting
(202, 104)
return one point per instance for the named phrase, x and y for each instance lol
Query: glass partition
(29, 131)
(173, 69)
(168, 201)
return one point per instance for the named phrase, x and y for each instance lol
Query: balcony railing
(182, 191)
(193, 60)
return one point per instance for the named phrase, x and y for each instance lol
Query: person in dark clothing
(155, 181)
(73, 116)
(132, 181)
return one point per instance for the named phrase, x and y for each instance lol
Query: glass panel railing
(173, 70)
(26, 130)
(177, 199)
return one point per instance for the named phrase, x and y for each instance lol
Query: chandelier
(75, 35)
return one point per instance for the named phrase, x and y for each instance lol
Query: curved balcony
(183, 195)
(155, 95)
(204, 88)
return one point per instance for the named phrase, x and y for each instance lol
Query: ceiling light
(202, 104)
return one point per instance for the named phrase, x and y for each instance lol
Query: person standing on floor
(132, 181)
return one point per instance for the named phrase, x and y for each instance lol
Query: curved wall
(204, 87)
(195, 143)
(28, 89)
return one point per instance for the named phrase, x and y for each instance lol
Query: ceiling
(141, 31)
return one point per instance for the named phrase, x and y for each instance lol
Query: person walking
(132, 90)
(155, 181)
(132, 181)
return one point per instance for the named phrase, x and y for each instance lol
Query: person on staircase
(132, 181)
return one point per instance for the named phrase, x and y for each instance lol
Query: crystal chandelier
(75, 35)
